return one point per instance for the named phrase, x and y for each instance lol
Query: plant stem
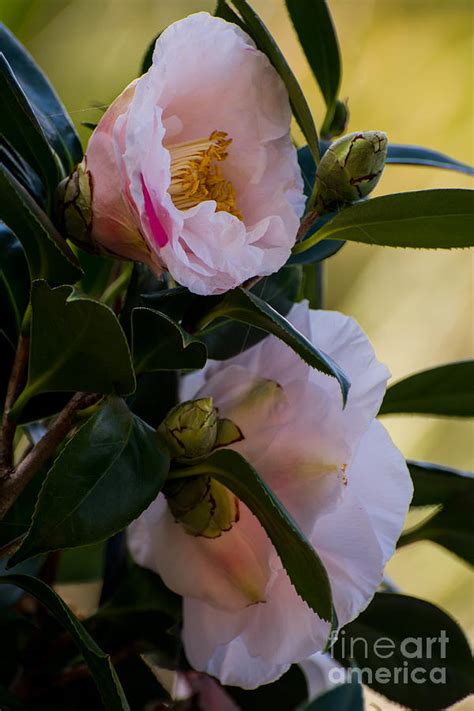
(19, 477)
(117, 285)
(15, 384)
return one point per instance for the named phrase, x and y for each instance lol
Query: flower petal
(229, 572)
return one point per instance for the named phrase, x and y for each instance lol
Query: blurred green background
(408, 71)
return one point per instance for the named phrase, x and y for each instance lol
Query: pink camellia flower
(192, 167)
(337, 472)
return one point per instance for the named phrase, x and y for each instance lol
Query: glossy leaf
(76, 345)
(48, 254)
(430, 219)
(161, 344)
(344, 697)
(16, 522)
(244, 306)
(14, 284)
(20, 127)
(98, 662)
(402, 627)
(155, 395)
(265, 42)
(105, 476)
(320, 251)
(447, 390)
(23, 172)
(450, 525)
(418, 155)
(300, 560)
(317, 35)
(49, 110)
(436, 484)
(227, 338)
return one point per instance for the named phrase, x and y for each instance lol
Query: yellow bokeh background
(407, 69)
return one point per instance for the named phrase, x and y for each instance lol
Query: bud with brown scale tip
(350, 169)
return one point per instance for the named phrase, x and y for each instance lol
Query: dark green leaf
(141, 590)
(244, 306)
(265, 42)
(317, 35)
(417, 155)
(10, 594)
(23, 172)
(98, 662)
(320, 251)
(284, 694)
(451, 524)
(148, 56)
(76, 344)
(345, 697)
(106, 475)
(228, 338)
(49, 110)
(300, 560)
(16, 521)
(436, 484)
(21, 129)
(14, 284)
(161, 344)
(430, 219)
(447, 390)
(155, 395)
(408, 632)
(171, 302)
(224, 11)
(97, 273)
(48, 254)
(450, 527)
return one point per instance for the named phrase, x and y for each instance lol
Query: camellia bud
(350, 169)
(190, 429)
(74, 207)
(202, 506)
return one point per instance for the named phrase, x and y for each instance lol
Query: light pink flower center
(196, 175)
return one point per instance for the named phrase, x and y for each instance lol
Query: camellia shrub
(182, 419)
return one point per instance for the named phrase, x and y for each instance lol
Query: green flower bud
(202, 506)
(190, 429)
(74, 207)
(350, 169)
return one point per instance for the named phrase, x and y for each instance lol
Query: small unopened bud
(190, 429)
(202, 506)
(350, 169)
(74, 207)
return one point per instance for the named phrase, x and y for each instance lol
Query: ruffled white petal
(221, 82)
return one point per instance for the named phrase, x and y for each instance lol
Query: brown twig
(20, 476)
(307, 222)
(15, 384)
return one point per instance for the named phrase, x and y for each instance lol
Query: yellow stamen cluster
(196, 175)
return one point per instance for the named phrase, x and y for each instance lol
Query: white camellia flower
(192, 167)
(337, 472)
